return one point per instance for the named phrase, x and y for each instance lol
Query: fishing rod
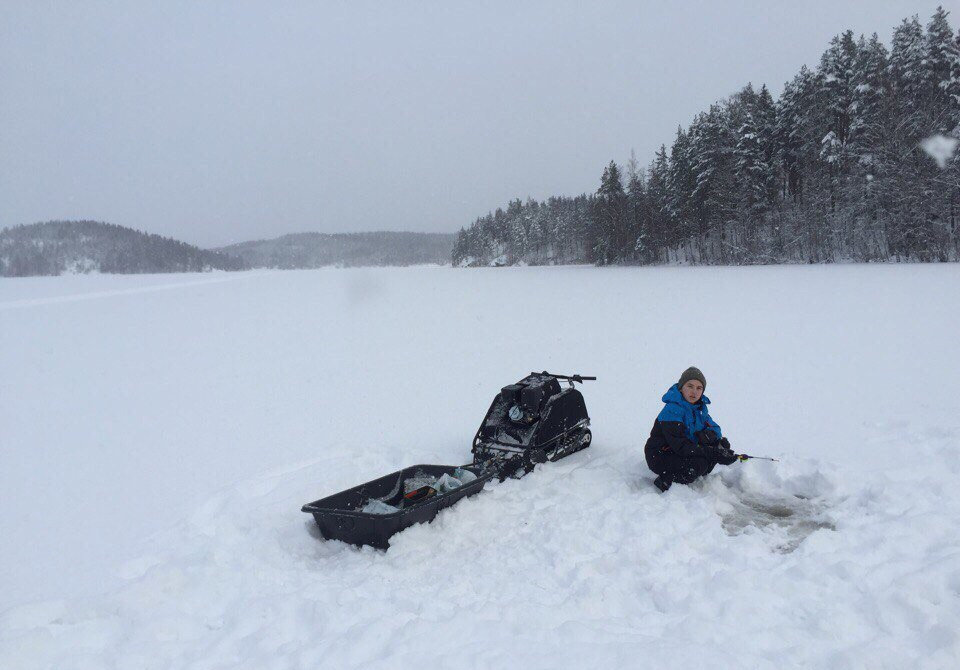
(747, 457)
(727, 451)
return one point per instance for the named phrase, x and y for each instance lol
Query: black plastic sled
(340, 516)
(530, 422)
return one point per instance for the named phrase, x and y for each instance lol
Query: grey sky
(217, 122)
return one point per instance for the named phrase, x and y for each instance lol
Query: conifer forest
(854, 162)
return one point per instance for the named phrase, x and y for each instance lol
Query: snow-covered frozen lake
(158, 435)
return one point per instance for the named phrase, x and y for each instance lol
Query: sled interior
(338, 516)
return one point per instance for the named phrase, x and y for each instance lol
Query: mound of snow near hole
(846, 554)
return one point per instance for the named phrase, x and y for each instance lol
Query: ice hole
(796, 518)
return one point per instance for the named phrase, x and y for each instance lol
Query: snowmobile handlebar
(573, 378)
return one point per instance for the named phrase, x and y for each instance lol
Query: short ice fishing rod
(727, 451)
(747, 457)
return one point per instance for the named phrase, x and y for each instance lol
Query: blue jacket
(693, 417)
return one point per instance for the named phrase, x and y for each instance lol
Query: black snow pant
(677, 468)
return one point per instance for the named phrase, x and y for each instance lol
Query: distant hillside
(56, 247)
(313, 250)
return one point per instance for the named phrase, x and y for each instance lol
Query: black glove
(707, 438)
(725, 455)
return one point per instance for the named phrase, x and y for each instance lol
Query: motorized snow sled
(533, 421)
(530, 422)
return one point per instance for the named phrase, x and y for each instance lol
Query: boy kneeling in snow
(686, 443)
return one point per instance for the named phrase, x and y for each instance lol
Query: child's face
(692, 391)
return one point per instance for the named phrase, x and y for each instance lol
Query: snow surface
(159, 435)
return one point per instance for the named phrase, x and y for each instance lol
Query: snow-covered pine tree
(751, 169)
(459, 252)
(909, 78)
(610, 217)
(713, 199)
(837, 67)
(867, 146)
(679, 186)
(952, 86)
(940, 48)
(657, 213)
(793, 130)
(941, 184)
(871, 99)
(637, 211)
(836, 77)
(765, 118)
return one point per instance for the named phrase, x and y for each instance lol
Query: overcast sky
(221, 122)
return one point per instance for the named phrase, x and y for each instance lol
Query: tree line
(315, 250)
(855, 161)
(56, 247)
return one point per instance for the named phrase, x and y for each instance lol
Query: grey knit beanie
(692, 373)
